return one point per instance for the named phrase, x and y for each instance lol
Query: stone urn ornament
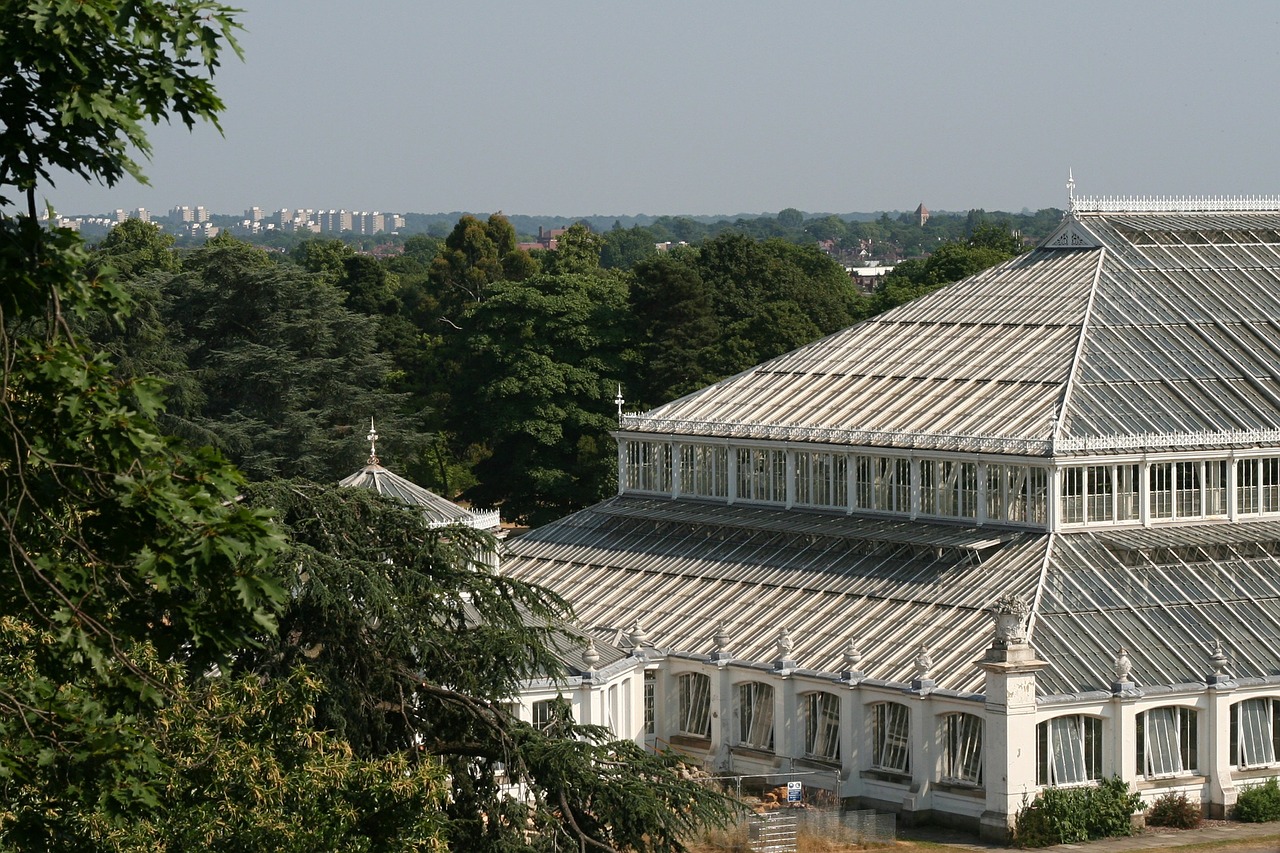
(1010, 612)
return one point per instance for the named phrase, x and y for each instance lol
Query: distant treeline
(849, 237)
(491, 370)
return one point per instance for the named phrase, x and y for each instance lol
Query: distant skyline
(706, 108)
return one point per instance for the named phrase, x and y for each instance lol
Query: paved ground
(1229, 837)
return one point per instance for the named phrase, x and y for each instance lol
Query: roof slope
(1143, 330)
(680, 566)
(437, 509)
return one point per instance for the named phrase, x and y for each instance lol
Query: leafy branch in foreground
(422, 646)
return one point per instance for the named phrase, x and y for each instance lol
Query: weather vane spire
(373, 443)
(1071, 190)
(619, 401)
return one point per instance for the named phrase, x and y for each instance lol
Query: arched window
(1255, 732)
(755, 715)
(1167, 742)
(891, 737)
(962, 749)
(695, 704)
(1068, 750)
(822, 726)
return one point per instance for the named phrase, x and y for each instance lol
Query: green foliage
(539, 361)
(699, 316)
(1260, 803)
(1174, 810)
(949, 262)
(1072, 815)
(80, 79)
(134, 248)
(286, 369)
(229, 764)
(420, 645)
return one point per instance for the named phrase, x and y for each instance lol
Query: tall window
(1167, 742)
(1255, 732)
(1101, 495)
(649, 466)
(864, 488)
(891, 737)
(822, 726)
(755, 715)
(1161, 485)
(1215, 487)
(650, 683)
(1072, 495)
(1127, 506)
(762, 475)
(1270, 484)
(544, 714)
(962, 749)
(995, 492)
(892, 484)
(695, 704)
(1068, 750)
(1188, 489)
(1247, 486)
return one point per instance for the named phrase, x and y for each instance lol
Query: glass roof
(1166, 325)
(1166, 595)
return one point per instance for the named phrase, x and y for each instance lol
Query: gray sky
(686, 107)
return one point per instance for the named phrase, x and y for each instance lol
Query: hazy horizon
(700, 109)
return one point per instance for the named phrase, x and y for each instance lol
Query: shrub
(1174, 810)
(1260, 803)
(1071, 815)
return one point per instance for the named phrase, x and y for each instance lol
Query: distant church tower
(922, 214)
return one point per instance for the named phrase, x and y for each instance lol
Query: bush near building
(1070, 815)
(1259, 804)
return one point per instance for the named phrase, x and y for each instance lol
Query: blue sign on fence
(794, 791)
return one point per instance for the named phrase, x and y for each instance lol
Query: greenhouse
(1022, 531)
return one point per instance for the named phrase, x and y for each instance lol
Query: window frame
(891, 737)
(1186, 750)
(1085, 744)
(821, 726)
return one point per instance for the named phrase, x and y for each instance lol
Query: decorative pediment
(1071, 235)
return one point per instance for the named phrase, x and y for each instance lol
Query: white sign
(794, 790)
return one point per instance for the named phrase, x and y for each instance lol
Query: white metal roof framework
(1143, 329)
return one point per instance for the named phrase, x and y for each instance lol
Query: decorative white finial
(373, 443)
(1123, 665)
(784, 643)
(1071, 190)
(618, 401)
(1219, 659)
(852, 657)
(639, 637)
(924, 662)
(721, 637)
(590, 656)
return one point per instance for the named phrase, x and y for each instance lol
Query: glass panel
(1163, 749)
(1215, 487)
(1066, 744)
(1247, 486)
(755, 715)
(962, 759)
(1127, 508)
(1188, 485)
(1256, 748)
(1100, 504)
(1160, 477)
(1072, 495)
(891, 733)
(822, 725)
(695, 704)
